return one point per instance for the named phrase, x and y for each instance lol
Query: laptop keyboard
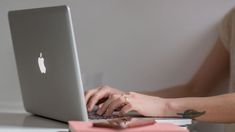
(93, 116)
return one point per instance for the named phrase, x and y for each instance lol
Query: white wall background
(129, 44)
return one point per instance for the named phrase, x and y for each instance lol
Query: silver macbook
(47, 63)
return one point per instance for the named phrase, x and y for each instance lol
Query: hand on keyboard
(93, 115)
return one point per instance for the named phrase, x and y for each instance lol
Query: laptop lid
(47, 63)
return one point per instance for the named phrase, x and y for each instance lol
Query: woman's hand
(94, 96)
(143, 104)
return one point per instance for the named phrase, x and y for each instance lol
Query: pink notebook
(77, 126)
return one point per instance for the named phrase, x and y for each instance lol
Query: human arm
(218, 108)
(214, 68)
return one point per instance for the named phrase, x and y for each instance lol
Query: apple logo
(41, 64)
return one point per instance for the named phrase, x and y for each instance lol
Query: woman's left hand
(143, 104)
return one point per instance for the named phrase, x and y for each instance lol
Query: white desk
(25, 122)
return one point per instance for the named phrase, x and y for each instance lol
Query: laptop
(47, 63)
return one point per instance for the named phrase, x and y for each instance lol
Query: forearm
(217, 108)
(213, 70)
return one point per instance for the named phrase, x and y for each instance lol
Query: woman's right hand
(99, 94)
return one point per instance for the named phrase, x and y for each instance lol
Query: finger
(101, 101)
(100, 105)
(89, 93)
(95, 98)
(113, 122)
(102, 110)
(125, 109)
(114, 105)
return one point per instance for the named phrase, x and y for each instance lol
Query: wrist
(172, 107)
